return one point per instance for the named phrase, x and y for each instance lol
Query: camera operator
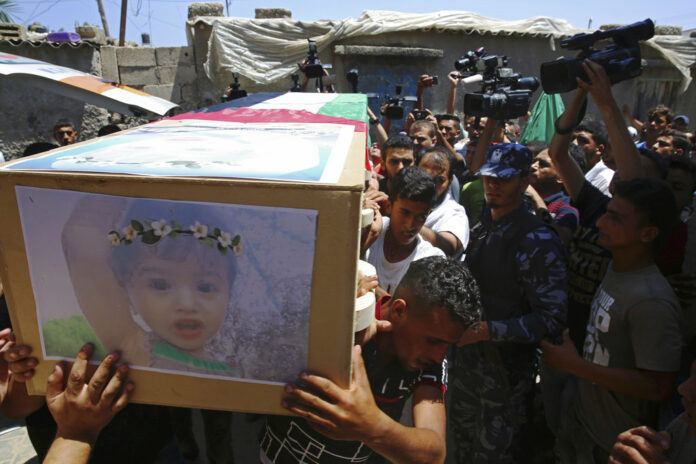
(424, 81)
(305, 80)
(634, 383)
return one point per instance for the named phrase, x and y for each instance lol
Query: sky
(164, 20)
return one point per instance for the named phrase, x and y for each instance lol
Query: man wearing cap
(681, 123)
(519, 264)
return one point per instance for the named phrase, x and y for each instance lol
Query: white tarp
(266, 50)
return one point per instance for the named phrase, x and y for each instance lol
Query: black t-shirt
(292, 440)
(587, 261)
(383, 185)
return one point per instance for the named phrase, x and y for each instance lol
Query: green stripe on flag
(348, 106)
(544, 114)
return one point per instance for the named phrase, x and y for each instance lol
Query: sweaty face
(503, 195)
(542, 173)
(663, 145)
(396, 159)
(183, 302)
(420, 137)
(421, 340)
(406, 219)
(658, 124)
(620, 227)
(449, 130)
(475, 130)
(585, 140)
(439, 171)
(65, 135)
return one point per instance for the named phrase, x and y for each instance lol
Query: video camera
(234, 91)
(467, 63)
(296, 86)
(504, 93)
(395, 108)
(352, 78)
(313, 68)
(620, 60)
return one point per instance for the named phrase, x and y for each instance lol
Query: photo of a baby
(202, 289)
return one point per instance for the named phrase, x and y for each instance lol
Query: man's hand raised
(339, 414)
(599, 86)
(81, 410)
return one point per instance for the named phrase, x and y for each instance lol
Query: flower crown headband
(151, 232)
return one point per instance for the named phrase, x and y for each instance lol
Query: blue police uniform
(520, 265)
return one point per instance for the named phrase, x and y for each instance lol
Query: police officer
(520, 266)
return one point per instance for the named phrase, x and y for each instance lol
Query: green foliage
(64, 337)
(7, 9)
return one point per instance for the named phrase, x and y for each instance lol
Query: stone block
(270, 13)
(205, 9)
(141, 57)
(173, 56)
(11, 31)
(176, 74)
(131, 75)
(165, 91)
(109, 64)
(92, 34)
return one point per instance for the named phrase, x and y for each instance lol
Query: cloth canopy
(266, 50)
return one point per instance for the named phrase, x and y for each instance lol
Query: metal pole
(103, 17)
(122, 33)
(227, 5)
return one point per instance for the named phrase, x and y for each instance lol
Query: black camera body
(313, 67)
(467, 63)
(504, 94)
(419, 115)
(395, 107)
(235, 92)
(620, 60)
(352, 78)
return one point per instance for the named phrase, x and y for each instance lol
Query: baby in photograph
(173, 266)
(177, 273)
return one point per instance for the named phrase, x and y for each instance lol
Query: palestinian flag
(544, 114)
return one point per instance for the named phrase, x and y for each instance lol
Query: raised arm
(452, 99)
(482, 146)
(375, 122)
(622, 147)
(568, 170)
(423, 83)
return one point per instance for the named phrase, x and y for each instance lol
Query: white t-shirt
(390, 274)
(450, 216)
(600, 176)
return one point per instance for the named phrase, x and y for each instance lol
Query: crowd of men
(558, 273)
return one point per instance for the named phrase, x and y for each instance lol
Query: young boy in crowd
(394, 242)
(447, 226)
(633, 340)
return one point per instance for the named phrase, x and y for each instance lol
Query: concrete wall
(177, 74)
(380, 73)
(165, 72)
(29, 114)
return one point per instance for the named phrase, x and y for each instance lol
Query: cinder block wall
(29, 113)
(165, 72)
